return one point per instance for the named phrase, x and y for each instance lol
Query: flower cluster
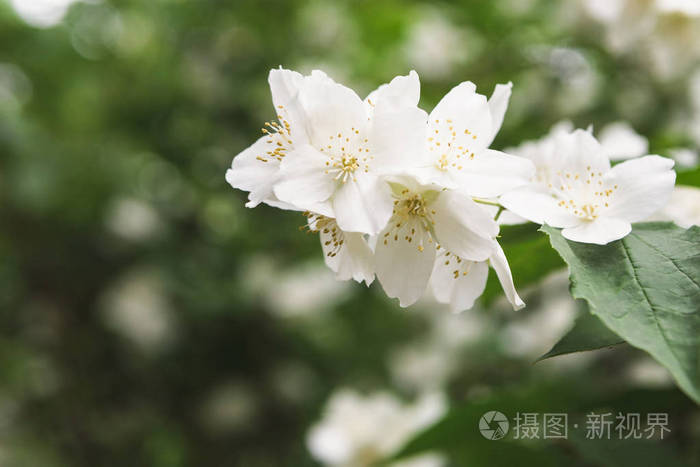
(408, 196)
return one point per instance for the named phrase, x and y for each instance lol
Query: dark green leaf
(587, 333)
(689, 178)
(645, 288)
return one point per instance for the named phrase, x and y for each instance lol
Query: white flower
(424, 216)
(683, 208)
(349, 150)
(459, 282)
(361, 430)
(620, 141)
(664, 32)
(591, 201)
(256, 169)
(460, 130)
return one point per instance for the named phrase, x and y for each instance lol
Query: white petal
(249, 173)
(601, 231)
(401, 92)
(644, 187)
(398, 140)
(470, 287)
(462, 227)
(330, 108)
(303, 179)
(351, 260)
(468, 114)
(538, 206)
(284, 85)
(578, 151)
(498, 104)
(492, 173)
(364, 205)
(403, 269)
(461, 291)
(500, 265)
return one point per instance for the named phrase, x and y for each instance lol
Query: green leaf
(587, 333)
(689, 178)
(623, 452)
(646, 289)
(521, 243)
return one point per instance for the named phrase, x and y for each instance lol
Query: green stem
(483, 201)
(498, 214)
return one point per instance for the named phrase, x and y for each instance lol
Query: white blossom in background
(666, 33)
(137, 308)
(436, 47)
(683, 208)
(133, 219)
(42, 13)
(621, 142)
(357, 430)
(292, 295)
(684, 157)
(578, 190)
(530, 335)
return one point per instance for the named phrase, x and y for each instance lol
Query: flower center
(585, 195)
(279, 139)
(412, 218)
(347, 152)
(443, 140)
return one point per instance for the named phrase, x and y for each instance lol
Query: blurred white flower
(435, 47)
(591, 201)
(684, 157)
(358, 431)
(664, 32)
(133, 219)
(42, 13)
(304, 290)
(532, 333)
(137, 308)
(231, 406)
(683, 208)
(621, 142)
(648, 373)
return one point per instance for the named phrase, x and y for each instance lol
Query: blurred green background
(148, 318)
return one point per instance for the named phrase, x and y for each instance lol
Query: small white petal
(401, 92)
(467, 111)
(284, 85)
(644, 187)
(498, 104)
(492, 173)
(303, 181)
(462, 227)
(539, 207)
(500, 265)
(248, 173)
(601, 231)
(364, 205)
(403, 269)
(351, 260)
(459, 292)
